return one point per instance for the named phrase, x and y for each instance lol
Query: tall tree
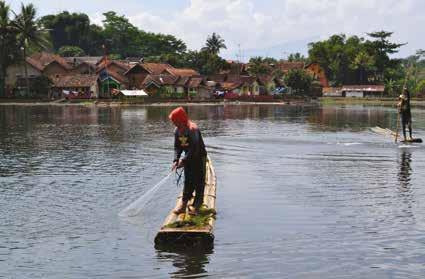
(214, 44)
(381, 47)
(29, 33)
(122, 37)
(8, 44)
(259, 66)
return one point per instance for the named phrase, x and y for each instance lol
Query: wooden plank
(191, 235)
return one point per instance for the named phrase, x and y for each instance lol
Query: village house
(74, 86)
(112, 76)
(139, 71)
(85, 65)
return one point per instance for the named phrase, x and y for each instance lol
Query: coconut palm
(7, 42)
(29, 33)
(214, 44)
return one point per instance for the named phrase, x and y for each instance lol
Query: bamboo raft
(191, 235)
(390, 133)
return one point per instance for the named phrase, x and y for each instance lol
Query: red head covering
(179, 116)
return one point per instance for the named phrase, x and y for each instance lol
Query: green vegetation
(71, 51)
(19, 36)
(197, 221)
(300, 81)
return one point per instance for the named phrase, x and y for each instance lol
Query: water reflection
(405, 171)
(188, 261)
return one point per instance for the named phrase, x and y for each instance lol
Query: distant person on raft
(188, 138)
(405, 114)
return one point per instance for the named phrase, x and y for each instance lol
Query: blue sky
(254, 27)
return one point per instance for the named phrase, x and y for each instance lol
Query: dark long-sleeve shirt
(190, 141)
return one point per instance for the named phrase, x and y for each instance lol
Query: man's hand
(178, 164)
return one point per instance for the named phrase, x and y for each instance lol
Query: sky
(259, 27)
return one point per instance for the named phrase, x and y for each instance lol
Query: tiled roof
(286, 66)
(160, 80)
(218, 77)
(67, 81)
(117, 76)
(230, 85)
(183, 72)
(44, 58)
(156, 68)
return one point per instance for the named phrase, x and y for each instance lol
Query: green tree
(214, 44)
(381, 48)
(300, 81)
(123, 37)
(259, 66)
(29, 34)
(71, 51)
(205, 62)
(296, 57)
(69, 29)
(8, 44)
(363, 63)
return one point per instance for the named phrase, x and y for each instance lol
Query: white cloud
(256, 24)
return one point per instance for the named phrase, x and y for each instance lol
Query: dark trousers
(194, 180)
(406, 121)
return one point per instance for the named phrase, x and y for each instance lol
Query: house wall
(14, 71)
(179, 89)
(136, 80)
(357, 94)
(83, 69)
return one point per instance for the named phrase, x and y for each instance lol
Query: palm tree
(214, 44)
(29, 34)
(7, 43)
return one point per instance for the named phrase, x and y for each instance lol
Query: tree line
(345, 60)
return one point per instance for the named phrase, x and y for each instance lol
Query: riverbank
(169, 103)
(158, 103)
(367, 101)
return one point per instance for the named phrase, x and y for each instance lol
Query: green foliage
(260, 66)
(204, 62)
(197, 221)
(71, 51)
(354, 60)
(420, 87)
(214, 44)
(74, 29)
(300, 81)
(9, 49)
(296, 57)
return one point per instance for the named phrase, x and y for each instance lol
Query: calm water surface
(303, 192)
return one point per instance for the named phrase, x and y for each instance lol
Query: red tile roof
(286, 66)
(67, 81)
(44, 58)
(156, 68)
(160, 80)
(182, 72)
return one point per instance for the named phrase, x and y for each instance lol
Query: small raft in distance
(390, 133)
(184, 229)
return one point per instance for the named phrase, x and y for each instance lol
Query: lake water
(303, 192)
